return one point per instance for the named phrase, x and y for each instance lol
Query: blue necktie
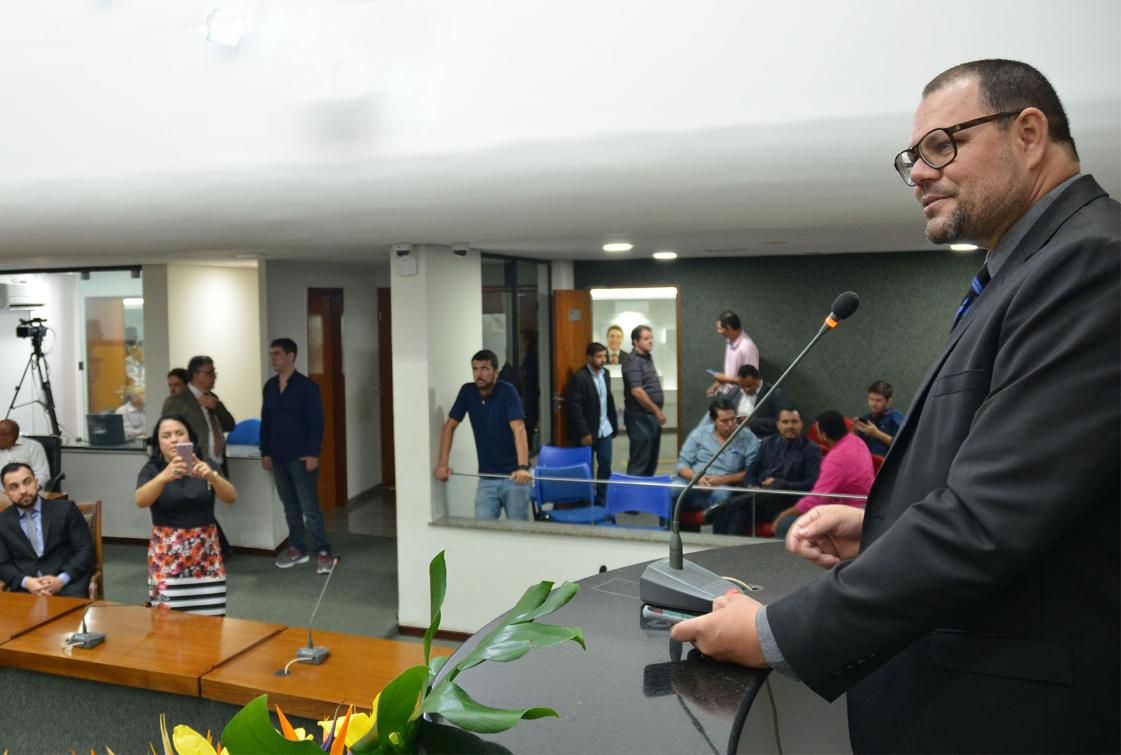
(975, 288)
(35, 534)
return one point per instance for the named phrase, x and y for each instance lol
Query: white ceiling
(338, 128)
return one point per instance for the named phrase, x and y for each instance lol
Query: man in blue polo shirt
(498, 424)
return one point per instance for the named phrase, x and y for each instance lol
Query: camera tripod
(40, 371)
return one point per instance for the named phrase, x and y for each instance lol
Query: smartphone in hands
(186, 452)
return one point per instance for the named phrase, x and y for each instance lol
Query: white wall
(285, 285)
(437, 326)
(213, 310)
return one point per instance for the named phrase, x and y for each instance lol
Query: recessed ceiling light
(963, 247)
(618, 246)
(665, 255)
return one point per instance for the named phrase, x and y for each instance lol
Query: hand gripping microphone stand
(682, 585)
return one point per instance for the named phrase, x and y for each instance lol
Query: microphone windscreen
(844, 305)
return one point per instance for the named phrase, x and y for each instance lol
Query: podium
(634, 690)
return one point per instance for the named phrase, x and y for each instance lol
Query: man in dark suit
(208, 417)
(590, 410)
(45, 546)
(973, 605)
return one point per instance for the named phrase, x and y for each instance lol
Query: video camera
(34, 328)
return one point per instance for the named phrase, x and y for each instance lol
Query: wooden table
(21, 611)
(355, 671)
(149, 648)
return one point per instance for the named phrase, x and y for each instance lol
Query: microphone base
(85, 640)
(314, 656)
(691, 588)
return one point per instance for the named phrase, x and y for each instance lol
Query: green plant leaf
(450, 701)
(252, 730)
(512, 641)
(434, 667)
(437, 588)
(529, 602)
(397, 709)
(555, 600)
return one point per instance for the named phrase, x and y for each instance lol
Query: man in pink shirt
(845, 468)
(740, 350)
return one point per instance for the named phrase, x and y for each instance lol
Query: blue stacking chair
(555, 456)
(629, 499)
(583, 491)
(245, 433)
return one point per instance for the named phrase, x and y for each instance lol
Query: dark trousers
(645, 435)
(601, 449)
(299, 492)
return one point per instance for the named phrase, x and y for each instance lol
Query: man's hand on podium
(728, 633)
(827, 534)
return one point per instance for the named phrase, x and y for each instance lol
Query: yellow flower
(189, 742)
(360, 725)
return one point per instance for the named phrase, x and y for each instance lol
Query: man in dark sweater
(291, 437)
(786, 461)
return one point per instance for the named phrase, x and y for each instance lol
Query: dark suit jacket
(67, 547)
(982, 612)
(581, 405)
(805, 465)
(185, 404)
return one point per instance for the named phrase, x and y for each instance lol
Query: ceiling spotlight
(665, 255)
(618, 246)
(225, 27)
(963, 247)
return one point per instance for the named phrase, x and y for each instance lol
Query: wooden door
(572, 321)
(106, 352)
(385, 389)
(325, 367)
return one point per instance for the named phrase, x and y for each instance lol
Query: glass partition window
(92, 350)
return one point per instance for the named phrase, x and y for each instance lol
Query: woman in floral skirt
(185, 569)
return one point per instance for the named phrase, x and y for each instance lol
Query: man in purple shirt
(846, 468)
(740, 350)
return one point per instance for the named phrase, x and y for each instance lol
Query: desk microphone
(678, 584)
(84, 638)
(316, 654)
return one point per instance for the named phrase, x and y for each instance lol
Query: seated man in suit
(45, 546)
(786, 461)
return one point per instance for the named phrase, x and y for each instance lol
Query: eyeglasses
(937, 148)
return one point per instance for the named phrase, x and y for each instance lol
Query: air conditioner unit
(15, 296)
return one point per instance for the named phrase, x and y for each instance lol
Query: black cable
(749, 696)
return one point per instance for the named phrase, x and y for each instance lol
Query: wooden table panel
(150, 648)
(355, 671)
(22, 611)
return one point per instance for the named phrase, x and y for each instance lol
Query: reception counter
(255, 521)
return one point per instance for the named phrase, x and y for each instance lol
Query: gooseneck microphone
(679, 584)
(316, 654)
(84, 638)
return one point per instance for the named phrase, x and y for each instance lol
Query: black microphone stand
(682, 585)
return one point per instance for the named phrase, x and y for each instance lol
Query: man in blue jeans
(498, 424)
(291, 437)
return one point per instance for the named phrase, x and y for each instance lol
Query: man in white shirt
(24, 450)
(133, 412)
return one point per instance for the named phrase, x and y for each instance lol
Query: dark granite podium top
(636, 691)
